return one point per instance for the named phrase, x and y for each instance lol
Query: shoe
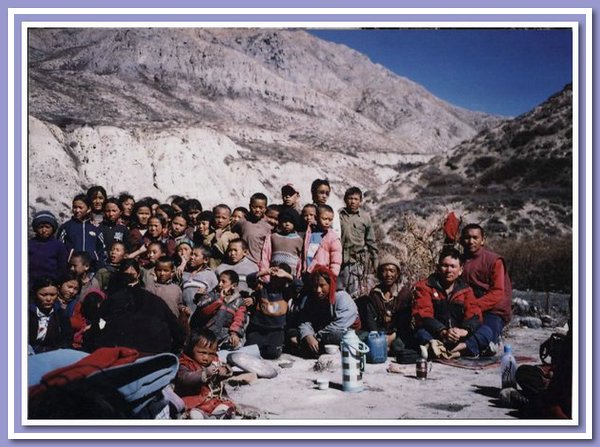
(490, 351)
(512, 398)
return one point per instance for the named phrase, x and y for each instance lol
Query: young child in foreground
(223, 312)
(200, 378)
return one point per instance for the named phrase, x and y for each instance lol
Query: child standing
(309, 217)
(142, 211)
(164, 287)
(96, 196)
(81, 265)
(68, 288)
(116, 255)
(239, 213)
(199, 380)
(47, 256)
(359, 252)
(179, 224)
(112, 228)
(204, 221)
(155, 251)
(255, 229)
(127, 203)
(239, 262)
(222, 312)
(322, 245)
(198, 277)
(78, 233)
(284, 246)
(219, 239)
(268, 318)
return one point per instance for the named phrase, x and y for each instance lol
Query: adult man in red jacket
(485, 271)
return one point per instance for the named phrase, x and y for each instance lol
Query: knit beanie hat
(44, 217)
(290, 215)
(389, 259)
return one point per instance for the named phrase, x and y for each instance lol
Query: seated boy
(222, 312)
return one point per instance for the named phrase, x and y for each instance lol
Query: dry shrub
(417, 243)
(538, 263)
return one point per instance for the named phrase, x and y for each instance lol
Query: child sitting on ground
(163, 287)
(223, 312)
(239, 262)
(199, 380)
(47, 255)
(322, 245)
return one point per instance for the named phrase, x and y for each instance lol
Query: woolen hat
(389, 259)
(44, 217)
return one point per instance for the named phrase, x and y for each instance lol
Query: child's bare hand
(312, 343)
(248, 301)
(234, 340)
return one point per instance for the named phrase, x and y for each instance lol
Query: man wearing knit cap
(388, 307)
(47, 256)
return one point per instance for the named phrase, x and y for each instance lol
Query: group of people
(173, 277)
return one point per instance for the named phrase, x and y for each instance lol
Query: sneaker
(512, 398)
(490, 351)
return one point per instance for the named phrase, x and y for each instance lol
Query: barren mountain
(218, 114)
(515, 178)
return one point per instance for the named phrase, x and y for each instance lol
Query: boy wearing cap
(359, 252)
(47, 255)
(290, 197)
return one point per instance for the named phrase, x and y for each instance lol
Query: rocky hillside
(220, 113)
(515, 178)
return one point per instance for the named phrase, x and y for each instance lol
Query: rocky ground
(448, 393)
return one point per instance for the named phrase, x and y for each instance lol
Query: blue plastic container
(377, 343)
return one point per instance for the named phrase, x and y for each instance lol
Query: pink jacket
(329, 253)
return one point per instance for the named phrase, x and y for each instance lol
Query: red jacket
(486, 273)
(434, 310)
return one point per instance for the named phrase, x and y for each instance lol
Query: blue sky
(498, 71)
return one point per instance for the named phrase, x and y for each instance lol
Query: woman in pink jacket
(322, 245)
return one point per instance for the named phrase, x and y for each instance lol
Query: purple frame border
(271, 431)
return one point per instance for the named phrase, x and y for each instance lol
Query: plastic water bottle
(508, 368)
